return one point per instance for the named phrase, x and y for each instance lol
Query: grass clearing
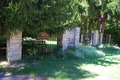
(51, 68)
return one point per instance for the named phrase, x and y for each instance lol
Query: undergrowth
(108, 46)
(89, 51)
(83, 52)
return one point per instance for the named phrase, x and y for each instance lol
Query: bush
(58, 52)
(32, 52)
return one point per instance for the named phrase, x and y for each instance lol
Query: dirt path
(10, 77)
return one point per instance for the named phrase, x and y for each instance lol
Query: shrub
(32, 52)
(58, 52)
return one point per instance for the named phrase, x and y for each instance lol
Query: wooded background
(54, 16)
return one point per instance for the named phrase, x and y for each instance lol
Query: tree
(100, 12)
(32, 16)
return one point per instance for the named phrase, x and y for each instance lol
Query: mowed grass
(51, 68)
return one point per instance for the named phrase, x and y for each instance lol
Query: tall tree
(32, 16)
(38, 15)
(99, 11)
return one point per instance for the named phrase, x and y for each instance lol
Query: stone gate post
(108, 38)
(77, 36)
(65, 41)
(14, 46)
(71, 38)
(101, 38)
(95, 37)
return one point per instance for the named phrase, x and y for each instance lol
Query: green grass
(51, 68)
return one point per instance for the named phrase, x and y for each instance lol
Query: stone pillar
(82, 35)
(64, 41)
(71, 38)
(95, 37)
(77, 36)
(101, 38)
(91, 43)
(14, 46)
(108, 38)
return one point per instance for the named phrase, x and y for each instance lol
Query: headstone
(95, 37)
(64, 42)
(14, 46)
(101, 38)
(86, 38)
(108, 38)
(82, 35)
(77, 36)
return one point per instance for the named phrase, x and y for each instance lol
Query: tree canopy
(32, 16)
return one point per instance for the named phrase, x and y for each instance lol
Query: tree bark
(102, 25)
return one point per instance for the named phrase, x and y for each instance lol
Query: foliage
(83, 52)
(33, 16)
(58, 52)
(32, 52)
(54, 16)
(114, 31)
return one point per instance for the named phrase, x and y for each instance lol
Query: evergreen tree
(33, 16)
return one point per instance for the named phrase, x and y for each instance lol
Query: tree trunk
(102, 25)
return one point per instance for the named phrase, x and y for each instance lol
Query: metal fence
(43, 46)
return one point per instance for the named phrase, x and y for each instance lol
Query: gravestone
(95, 37)
(86, 37)
(77, 36)
(14, 46)
(101, 38)
(108, 38)
(82, 36)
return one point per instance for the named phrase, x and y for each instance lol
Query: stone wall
(14, 46)
(70, 38)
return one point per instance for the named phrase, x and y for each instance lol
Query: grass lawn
(50, 68)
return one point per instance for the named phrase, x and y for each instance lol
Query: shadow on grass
(52, 69)
(109, 51)
(99, 61)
